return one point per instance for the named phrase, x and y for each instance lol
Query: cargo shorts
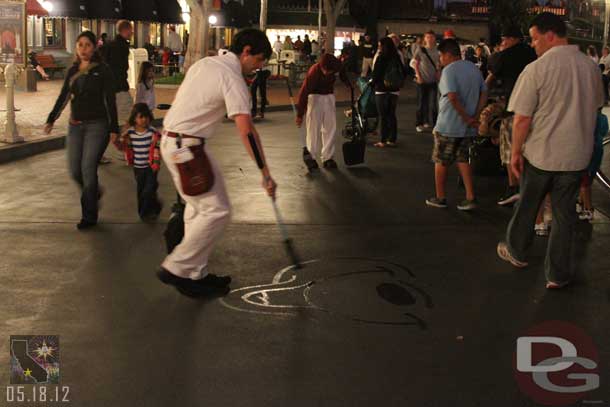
(506, 131)
(448, 150)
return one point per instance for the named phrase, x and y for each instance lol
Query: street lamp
(213, 19)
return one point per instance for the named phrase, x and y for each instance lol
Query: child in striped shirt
(141, 146)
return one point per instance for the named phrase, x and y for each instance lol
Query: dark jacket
(116, 56)
(315, 83)
(307, 47)
(381, 64)
(92, 96)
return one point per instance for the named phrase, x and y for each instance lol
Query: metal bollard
(11, 133)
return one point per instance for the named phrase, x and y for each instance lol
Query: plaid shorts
(448, 150)
(506, 130)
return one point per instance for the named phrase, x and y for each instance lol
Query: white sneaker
(505, 255)
(419, 129)
(542, 229)
(586, 214)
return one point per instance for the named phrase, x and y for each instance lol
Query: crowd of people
(547, 147)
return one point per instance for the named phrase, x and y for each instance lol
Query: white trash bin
(136, 57)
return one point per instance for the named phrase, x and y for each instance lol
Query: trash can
(136, 57)
(26, 82)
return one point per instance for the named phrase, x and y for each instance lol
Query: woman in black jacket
(388, 74)
(93, 115)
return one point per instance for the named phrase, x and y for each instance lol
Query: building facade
(53, 25)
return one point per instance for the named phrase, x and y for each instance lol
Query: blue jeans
(86, 143)
(148, 202)
(535, 184)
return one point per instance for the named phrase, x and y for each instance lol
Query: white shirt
(147, 96)
(174, 42)
(212, 87)
(561, 91)
(606, 62)
(277, 46)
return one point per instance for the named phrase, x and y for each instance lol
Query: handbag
(196, 175)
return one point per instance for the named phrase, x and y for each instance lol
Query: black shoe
(188, 287)
(212, 280)
(330, 164)
(85, 224)
(310, 162)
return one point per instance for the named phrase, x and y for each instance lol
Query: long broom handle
(259, 162)
(294, 111)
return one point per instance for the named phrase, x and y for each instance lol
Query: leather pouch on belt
(196, 174)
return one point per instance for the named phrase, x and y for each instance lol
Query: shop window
(155, 34)
(53, 32)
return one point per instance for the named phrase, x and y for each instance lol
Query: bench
(49, 65)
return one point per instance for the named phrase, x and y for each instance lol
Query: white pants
(367, 65)
(205, 218)
(321, 122)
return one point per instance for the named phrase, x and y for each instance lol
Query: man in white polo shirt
(213, 87)
(555, 102)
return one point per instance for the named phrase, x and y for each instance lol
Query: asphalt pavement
(398, 304)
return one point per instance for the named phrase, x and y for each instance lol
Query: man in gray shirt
(555, 102)
(427, 74)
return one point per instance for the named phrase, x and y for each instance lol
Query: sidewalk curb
(14, 152)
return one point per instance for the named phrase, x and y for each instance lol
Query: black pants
(606, 80)
(259, 83)
(386, 107)
(148, 203)
(427, 104)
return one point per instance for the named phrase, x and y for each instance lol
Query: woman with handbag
(388, 77)
(93, 117)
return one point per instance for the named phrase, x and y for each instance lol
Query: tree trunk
(333, 9)
(199, 36)
(263, 18)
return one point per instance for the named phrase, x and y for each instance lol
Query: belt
(176, 135)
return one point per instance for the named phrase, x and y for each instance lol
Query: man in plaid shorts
(509, 64)
(463, 96)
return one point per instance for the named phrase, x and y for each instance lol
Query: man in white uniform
(213, 87)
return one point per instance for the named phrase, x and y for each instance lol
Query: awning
(305, 19)
(169, 12)
(34, 8)
(140, 10)
(69, 8)
(104, 9)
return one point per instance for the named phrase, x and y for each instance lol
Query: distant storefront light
(47, 5)
(213, 19)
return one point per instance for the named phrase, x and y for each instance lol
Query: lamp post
(606, 21)
(10, 133)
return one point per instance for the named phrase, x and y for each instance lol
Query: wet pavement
(398, 304)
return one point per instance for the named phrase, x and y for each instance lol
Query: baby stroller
(356, 126)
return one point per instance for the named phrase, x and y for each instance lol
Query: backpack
(394, 76)
(601, 130)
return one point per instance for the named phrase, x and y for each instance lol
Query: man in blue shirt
(463, 96)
